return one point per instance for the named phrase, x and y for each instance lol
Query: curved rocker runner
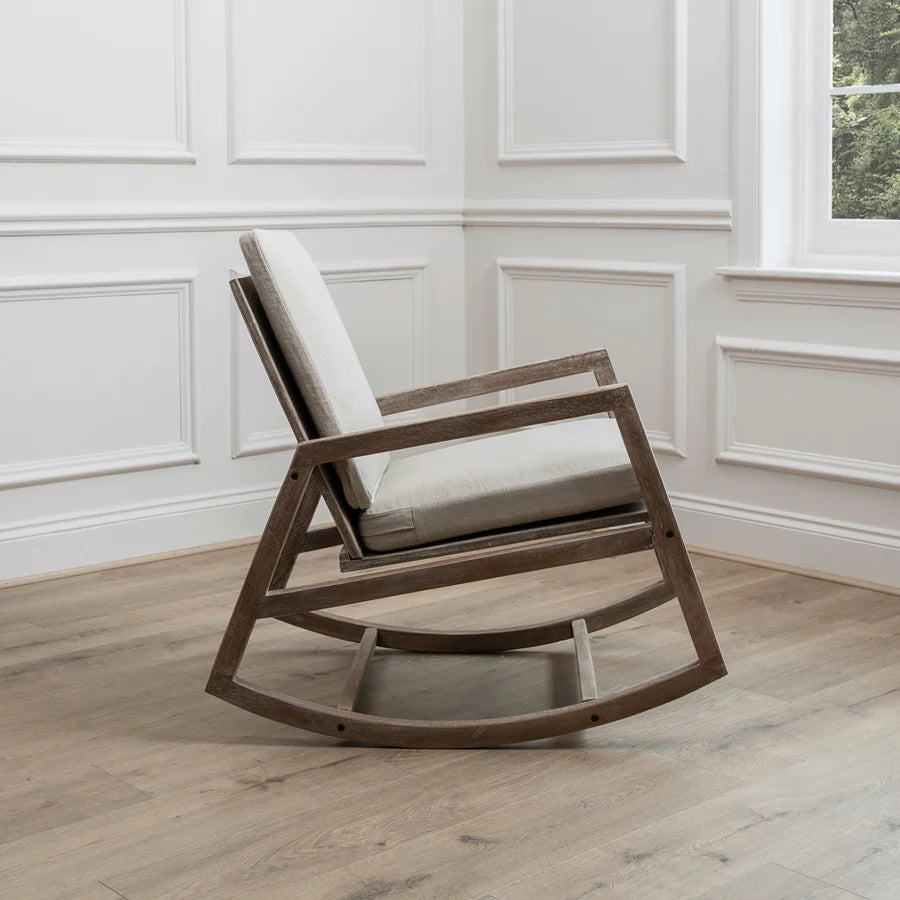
(602, 496)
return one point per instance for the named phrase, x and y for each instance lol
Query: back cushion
(318, 351)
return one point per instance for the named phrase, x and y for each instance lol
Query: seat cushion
(511, 479)
(318, 351)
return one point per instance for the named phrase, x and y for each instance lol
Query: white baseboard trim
(830, 546)
(65, 542)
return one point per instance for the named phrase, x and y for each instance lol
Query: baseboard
(106, 536)
(823, 548)
(126, 563)
(795, 570)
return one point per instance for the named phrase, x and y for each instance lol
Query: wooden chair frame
(310, 475)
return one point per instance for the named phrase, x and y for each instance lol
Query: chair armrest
(462, 425)
(596, 361)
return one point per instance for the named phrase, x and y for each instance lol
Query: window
(865, 109)
(817, 135)
(849, 177)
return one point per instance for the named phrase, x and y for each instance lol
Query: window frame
(821, 238)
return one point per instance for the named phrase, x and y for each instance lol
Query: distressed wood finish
(527, 548)
(426, 734)
(596, 361)
(584, 662)
(442, 573)
(491, 419)
(350, 694)
(490, 640)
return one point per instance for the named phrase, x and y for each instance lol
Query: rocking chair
(571, 489)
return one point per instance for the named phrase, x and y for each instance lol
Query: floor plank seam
(739, 782)
(125, 781)
(821, 881)
(111, 889)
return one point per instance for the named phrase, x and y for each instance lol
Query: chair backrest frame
(289, 396)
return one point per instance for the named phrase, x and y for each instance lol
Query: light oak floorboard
(120, 777)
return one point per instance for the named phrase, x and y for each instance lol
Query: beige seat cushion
(546, 472)
(318, 351)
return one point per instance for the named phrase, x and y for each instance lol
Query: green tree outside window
(865, 177)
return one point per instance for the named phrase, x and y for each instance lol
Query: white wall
(587, 145)
(138, 140)
(599, 177)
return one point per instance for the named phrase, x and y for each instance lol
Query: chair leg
(668, 544)
(297, 535)
(284, 515)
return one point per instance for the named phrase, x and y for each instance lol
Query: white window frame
(868, 243)
(781, 152)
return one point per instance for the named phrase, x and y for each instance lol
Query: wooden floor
(119, 777)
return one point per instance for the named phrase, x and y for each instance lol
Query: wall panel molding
(671, 440)
(118, 219)
(178, 150)
(672, 149)
(120, 286)
(693, 215)
(848, 360)
(243, 151)
(253, 443)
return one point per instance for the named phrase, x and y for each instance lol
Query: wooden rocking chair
(557, 494)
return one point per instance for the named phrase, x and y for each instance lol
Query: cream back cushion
(318, 351)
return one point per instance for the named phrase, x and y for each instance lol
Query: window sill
(818, 276)
(816, 287)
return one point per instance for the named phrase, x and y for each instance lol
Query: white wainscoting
(641, 321)
(96, 81)
(383, 304)
(348, 88)
(601, 82)
(110, 353)
(810, 409)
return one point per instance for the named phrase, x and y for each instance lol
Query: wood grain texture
(584, 660)
(488, 420)
(352, 687)
(732, 792)
(596, 361)
(441, 573)
(483, 640)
